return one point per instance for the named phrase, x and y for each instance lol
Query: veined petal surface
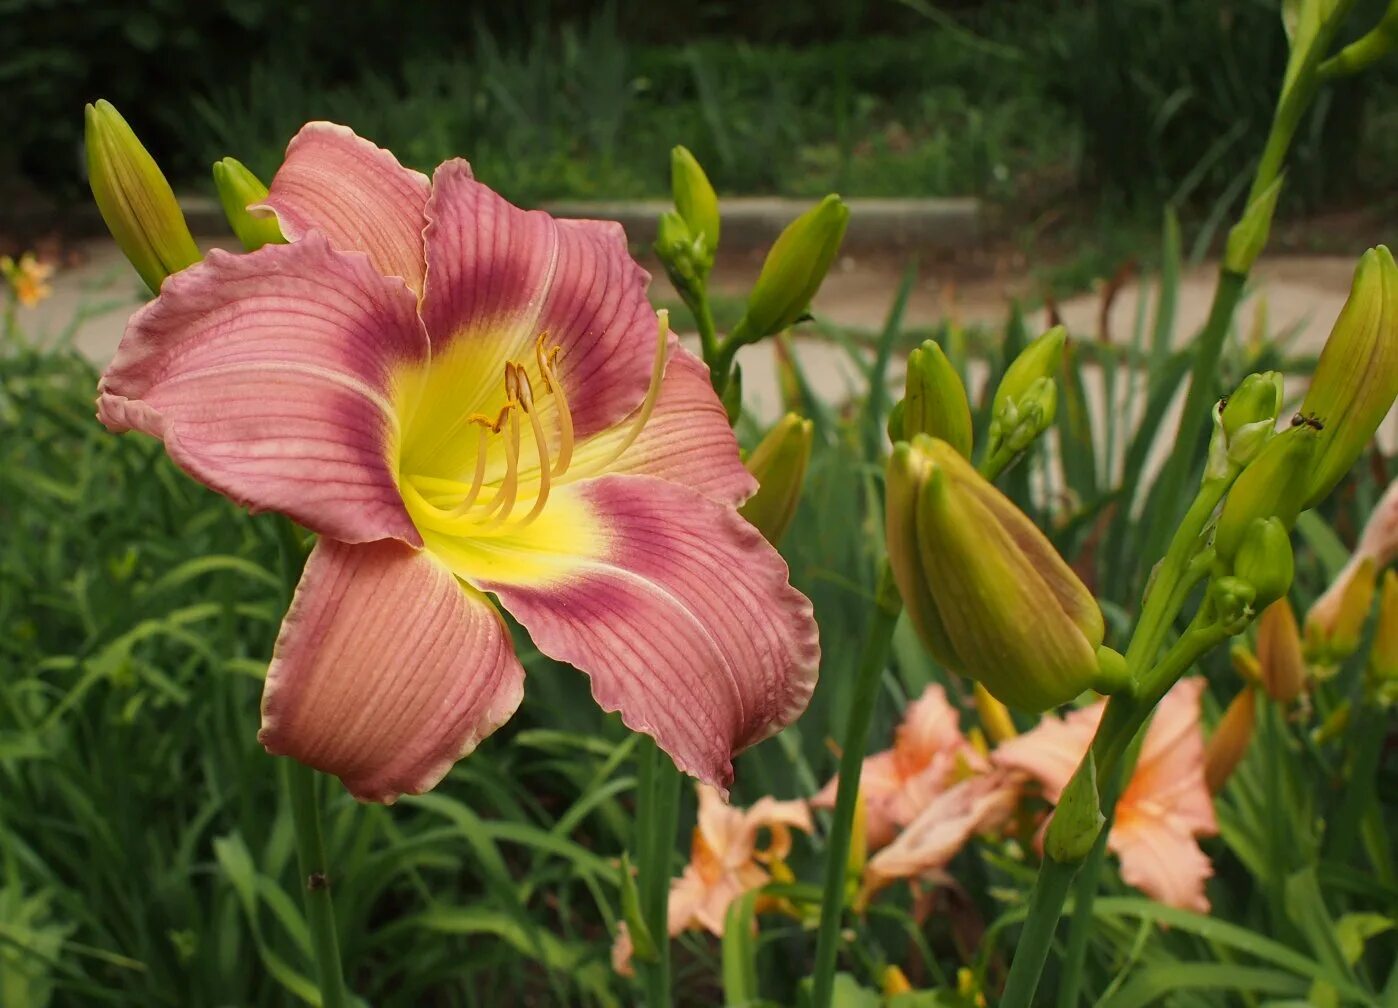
(270, 377)
(356, 194)
(387, 670)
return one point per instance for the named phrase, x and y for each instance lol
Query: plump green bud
(1249, 235)
(1264, 560)
(1231, 599)
(1078, 818)
(1356, 379)
(935, 400)
(1112, 672)
(238, 189)
(697, 204)
(987, 592)
(779, 464)
(136, 202)
(1244, 423)
(680, 253)
(1027, 397)
(1272, 486)
(794, 269)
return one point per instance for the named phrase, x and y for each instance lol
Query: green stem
(1367, 736)
(866, 690)
(1045, 907)
(657, 814)
(704, 320)
(301, 783)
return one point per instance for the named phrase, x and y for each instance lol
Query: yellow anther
(495, 425)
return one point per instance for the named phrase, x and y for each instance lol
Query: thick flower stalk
(465, 400)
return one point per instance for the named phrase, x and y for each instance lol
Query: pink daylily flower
(465, 400)
(929, 754)
(1165, 805)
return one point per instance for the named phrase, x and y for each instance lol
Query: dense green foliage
(146, 851)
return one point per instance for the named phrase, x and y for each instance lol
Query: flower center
(490, 504)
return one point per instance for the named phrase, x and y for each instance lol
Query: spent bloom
(929, 755)
(1165, 805)
(466, 400)
(27, 278)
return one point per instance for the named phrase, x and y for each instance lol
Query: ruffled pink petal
(270, 378)
(1052, 750)
(387, 670)
(1170, 772)
(687, 439)
(1160, 858)
(684, 619)
(499, 276)
(357, 195)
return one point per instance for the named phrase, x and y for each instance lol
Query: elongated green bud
(1272, 486)
(935, 400)
(1027, 397)
(794, 269)
(136, 201)
(1244, 423)
(1248, 237)
(238, 189)
(697, 204)
(1078, 818)
(1040, 359)
(779, 464)
(987, 592)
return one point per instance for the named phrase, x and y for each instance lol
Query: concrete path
(1303, 295)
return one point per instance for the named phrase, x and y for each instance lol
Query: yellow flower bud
(1040, 359)
(995, 717)
(987, 592)
(136, 202)
(894, 982)
(1244, 662)
(1027, 397)
(1383, 656)
(794, 269)
(1356, 379)
(238, 189)
(1229, 742)
(935, 400)
(1335, 623)
(779, 464)
(696, 202)
(1281, 665)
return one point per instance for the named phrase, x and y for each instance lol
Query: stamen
(642, 415)
(505, 497)
(543, 495)
(478, 477)
(546, 362)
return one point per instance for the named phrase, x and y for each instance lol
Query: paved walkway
(1302, 295)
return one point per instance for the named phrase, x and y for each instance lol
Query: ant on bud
(1308, 419)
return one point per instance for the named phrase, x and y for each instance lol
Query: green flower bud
(1272, 486)
(1027, 398)
(1112, 672)
(1231, 599)
(1077, 819)
(697, 204)
(136, 202)
(987, 592)
(794, 269)
(1264, 560)
(1244, 423)
(1249, 235)
(935, 400)
(239, 189)
(779, 464)
(1356, 379)
(675, 247)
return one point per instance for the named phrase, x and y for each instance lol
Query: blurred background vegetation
(1120, 104)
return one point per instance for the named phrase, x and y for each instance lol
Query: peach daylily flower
(465, 400)
(1341, 609)
(929, 754)
(28, 278)
(1165, 806)
(728, 858)
(979, 804)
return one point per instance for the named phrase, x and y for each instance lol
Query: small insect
(1222, 402)
(1309, 419)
